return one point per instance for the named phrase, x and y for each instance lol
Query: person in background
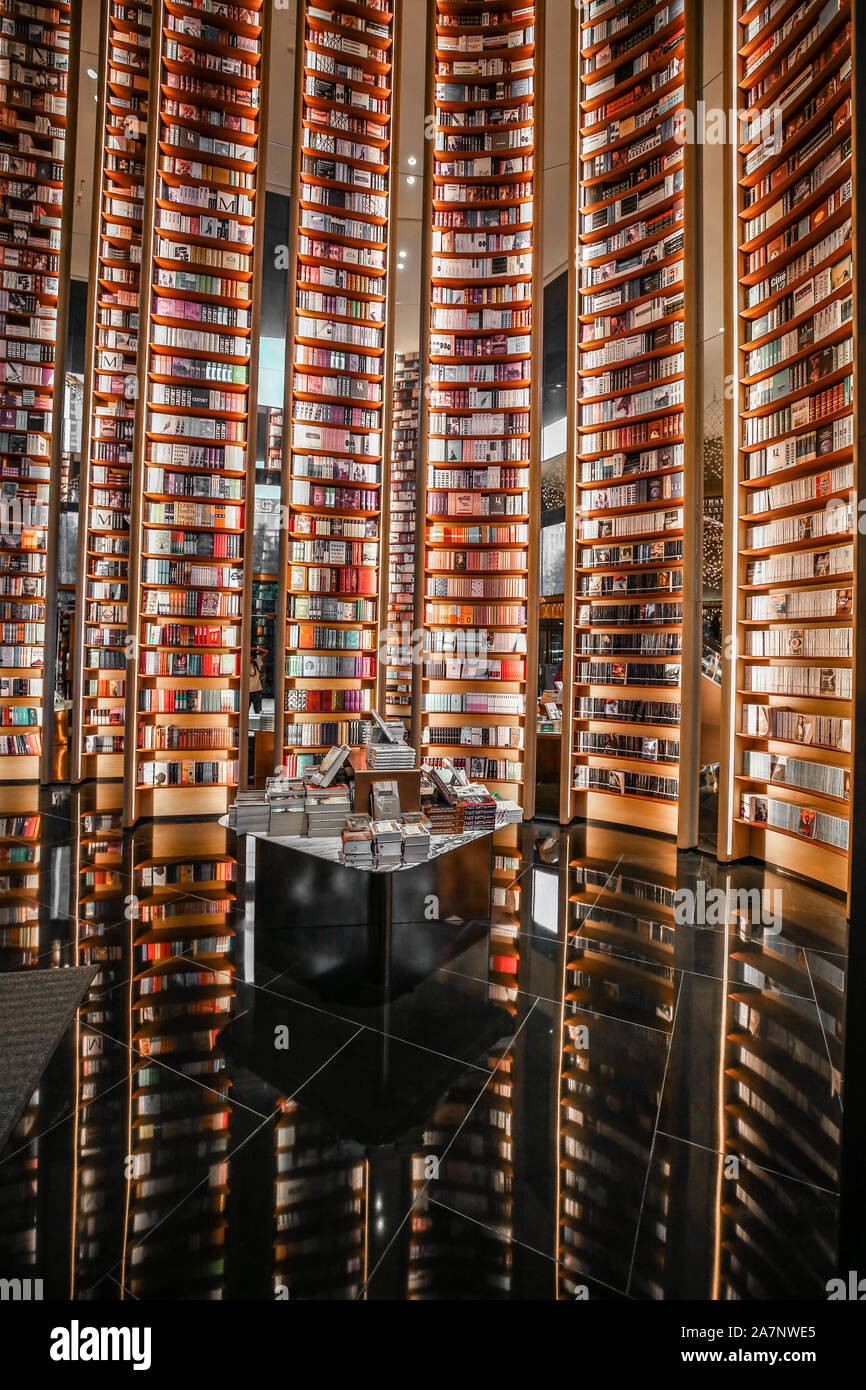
(256, 685)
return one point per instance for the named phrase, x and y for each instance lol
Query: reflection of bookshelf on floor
(448, 1255)
(629, 462)
(104, 938)
(796, 614)
(111, 384)
(619, 954)
(779, 1105)
(479, 419)
(505, 909)
(401, 536)
(34, 240)
(194, 453)
(315, 1256)
(182, 993)
(337, 351)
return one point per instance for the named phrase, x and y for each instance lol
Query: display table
(330, 847)
(303, 884)
(367, 944)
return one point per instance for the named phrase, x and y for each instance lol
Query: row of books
(791, 726)
(618, 782)
(805, 821)
(822, 778)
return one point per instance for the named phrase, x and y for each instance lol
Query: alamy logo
(20, 1290)
(716, 907)
(852, 1289)
(76, 1343)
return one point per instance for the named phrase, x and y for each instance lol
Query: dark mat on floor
(36, 1008)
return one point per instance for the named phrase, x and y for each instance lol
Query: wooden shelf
(343, 177)
(481, 363)
(39, 95)
(767, 813)
(194, 451)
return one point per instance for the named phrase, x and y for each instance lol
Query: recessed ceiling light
(401, 265)
(403, 255)
(722, 329)
(91, 72)
(410, 178)
(411, 161)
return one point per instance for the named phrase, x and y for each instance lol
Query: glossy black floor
(569, 1096)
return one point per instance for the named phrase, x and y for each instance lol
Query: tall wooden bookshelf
(631, 469)
(111, 387)
(38, 81)
(337, 392)
(194, 460)
(478, 495)
(793, 552)
(397, 669)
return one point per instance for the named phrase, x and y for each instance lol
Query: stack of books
(479, 810)
(326, 809)
(286, 801)
(508, 812)
(358, 840)
(388, 839)
(445, 819)
(416, 841)
(250, 814)
(386, 757)
(288, 815)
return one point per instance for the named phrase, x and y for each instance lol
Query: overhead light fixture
(402, 255)
(91, 72)
(411, 161)
(410, 178)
